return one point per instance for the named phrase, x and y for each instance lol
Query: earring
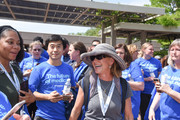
(110, 67)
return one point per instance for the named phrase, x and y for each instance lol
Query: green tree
(172, 9)
(92, 32)
(171, 6)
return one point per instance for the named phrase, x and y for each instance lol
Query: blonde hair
(132, 48)
(35, 43)
(170, 61)
(143, 47)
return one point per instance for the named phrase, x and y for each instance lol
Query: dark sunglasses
(37, 50)
(98, 57)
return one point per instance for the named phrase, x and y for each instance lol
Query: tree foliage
(171, 6)
(172, 9)
(90, 32)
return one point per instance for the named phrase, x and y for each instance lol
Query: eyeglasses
(37, 50)
(94, 45)
(98, 57)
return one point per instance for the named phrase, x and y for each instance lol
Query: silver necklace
(105, 89)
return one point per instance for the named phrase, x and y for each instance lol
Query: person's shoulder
(2, 95)
(138, 60)
(167, 67)
(66, 65)
(134, 64)
(4, 98)
(155, 60)
(43, 58)
(83, 64)
(42, 65)
(27, 59)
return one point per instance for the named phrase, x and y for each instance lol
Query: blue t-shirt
(43, 79)
(30, 63)
(26, 55)
(149, 66)
(170, 109)
(133, 72)
(45, 54)
(66, 59)
(5, 106)
(78, 71)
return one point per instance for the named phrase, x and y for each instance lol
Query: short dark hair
(40, 39)
(55, 38)
(66, 42)
(96, 41)
(5, 28)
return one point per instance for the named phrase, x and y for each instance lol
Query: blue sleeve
(34, 79)
(136, 72)
(5, 105)
(160, 67)
(73, 84)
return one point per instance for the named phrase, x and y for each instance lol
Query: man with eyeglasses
(94, 44)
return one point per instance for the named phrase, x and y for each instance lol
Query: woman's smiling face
(102, 66)
(9, 45)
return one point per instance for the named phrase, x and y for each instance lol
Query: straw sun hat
(106, 49)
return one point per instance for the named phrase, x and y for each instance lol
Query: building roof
(73, 12)
(135, 29)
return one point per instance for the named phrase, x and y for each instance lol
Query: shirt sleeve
(73, 84)
(34, 80)
(129, 91)
(136, 73)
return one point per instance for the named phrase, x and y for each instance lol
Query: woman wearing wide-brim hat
(105, 91)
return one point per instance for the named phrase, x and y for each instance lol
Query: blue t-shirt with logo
(150, 66)
(133, 72)
(170, 109)
(44, 78)
(30, 63)
(5, 106)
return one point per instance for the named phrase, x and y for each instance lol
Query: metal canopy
(74, 12)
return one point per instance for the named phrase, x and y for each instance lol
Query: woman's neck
(36, 57)
(78, 60)
(106, 77)
(147, 57)
(6, 65)
(177, 65)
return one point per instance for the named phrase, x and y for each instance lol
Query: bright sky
(63, 29)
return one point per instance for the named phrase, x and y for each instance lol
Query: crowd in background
(103, 65)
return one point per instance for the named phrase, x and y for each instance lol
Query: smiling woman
(11, 51)
(168, 92)
(105, 85)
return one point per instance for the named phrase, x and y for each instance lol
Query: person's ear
(111, 61)
(78, 52)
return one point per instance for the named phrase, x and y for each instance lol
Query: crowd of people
(111, 82)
